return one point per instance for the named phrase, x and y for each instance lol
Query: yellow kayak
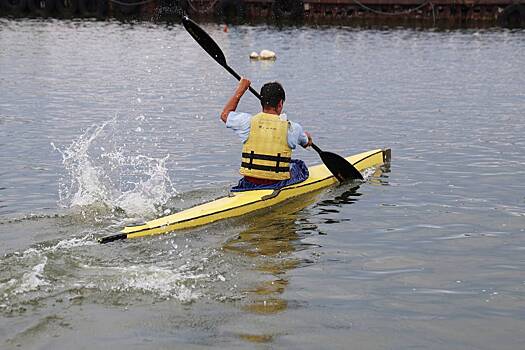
(241, 203)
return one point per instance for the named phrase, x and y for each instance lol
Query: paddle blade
(204, 40)
(340, 167)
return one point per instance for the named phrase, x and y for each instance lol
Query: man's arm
(232, 103)
(297, 136)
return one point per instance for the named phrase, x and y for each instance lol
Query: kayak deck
(240, 203)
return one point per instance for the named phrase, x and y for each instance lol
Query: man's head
(272, 96)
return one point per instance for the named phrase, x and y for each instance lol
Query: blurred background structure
(428, 13)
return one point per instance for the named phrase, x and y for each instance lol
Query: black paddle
(337, 165)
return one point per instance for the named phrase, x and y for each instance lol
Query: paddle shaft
(317, 149)
(238, 77)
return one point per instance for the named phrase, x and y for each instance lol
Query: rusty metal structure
(440, 13)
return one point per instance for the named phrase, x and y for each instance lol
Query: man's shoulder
(295, 125)
(235, 114)
(236, 119)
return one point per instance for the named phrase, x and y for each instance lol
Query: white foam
(32, 280)
(164, 282)
(35, 278)
(72, 243)
(367, 173)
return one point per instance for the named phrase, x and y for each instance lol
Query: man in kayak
(269, 138)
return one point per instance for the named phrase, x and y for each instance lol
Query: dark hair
(271, 94)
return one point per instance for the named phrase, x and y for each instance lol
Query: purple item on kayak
(298, 171)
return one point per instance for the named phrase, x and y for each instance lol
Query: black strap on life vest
(265, 167)
(266, 157)
(277, 159)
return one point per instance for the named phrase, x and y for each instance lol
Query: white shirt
(240, 123)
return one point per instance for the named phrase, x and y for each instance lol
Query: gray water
(103, 124)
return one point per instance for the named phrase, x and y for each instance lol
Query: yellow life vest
(266, 154)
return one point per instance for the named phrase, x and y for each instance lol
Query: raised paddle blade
(211, 47)
(204, 40)
(340, 167)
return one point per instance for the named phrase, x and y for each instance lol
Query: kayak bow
(241, 203)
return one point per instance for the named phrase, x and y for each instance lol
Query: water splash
(69, 243)
(107, 174)
(31, 280)
(166, 282)
(34, 279)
